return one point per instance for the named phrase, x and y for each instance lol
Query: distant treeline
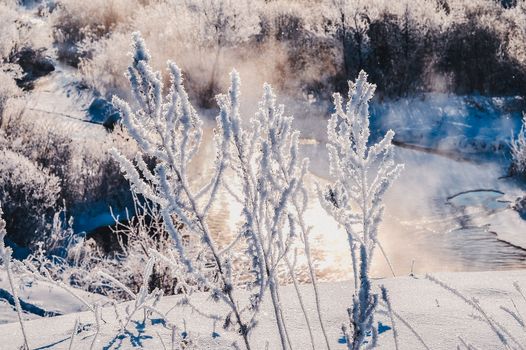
(302, 47)
(308, 46)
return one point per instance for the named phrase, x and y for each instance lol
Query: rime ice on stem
(168, 130)
(263, 155)
(518, 150)
(362, 174)
(265, 158)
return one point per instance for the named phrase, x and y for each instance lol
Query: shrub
(8, 89)
(202, 50)
(77, 23)
(476, 52)
(19, 30)
(9, 35)
(316, 46)
(28, 195)
(87, 173)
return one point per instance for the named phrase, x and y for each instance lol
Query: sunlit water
(431, 221)
(432, 217)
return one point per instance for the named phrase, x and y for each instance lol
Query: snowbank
(434, 313)
(40, 298)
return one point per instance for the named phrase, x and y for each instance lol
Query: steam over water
(423, 231)
(439, 216)
(427, 221)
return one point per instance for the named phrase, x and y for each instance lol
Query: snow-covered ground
(40, 299)
(437, 315)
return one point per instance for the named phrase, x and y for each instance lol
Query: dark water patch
(478, 248)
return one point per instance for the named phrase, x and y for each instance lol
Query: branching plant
(169, 131)
(264, 157)
(362, 173)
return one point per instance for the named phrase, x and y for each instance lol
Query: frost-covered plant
(142, 300)
(64, 257)
(138, 236)
(42, 273)
(362, 174)
(40, 268)
(226, 23)
(361, 314)
(28, 194)
(518, 151)
(73, 334)
(5, 258)
(169, 131)
(351, 28)
(43, 143)
(86, 171)
(97, 313)
(264, 158)
(8, 28)
(77, 23)
(60, 236)
(316, 46)
(8, 88)
(202, 33)
(18, 29)
(390, 313)
(19, 32)
(72, 259)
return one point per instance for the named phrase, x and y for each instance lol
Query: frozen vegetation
(286, 174)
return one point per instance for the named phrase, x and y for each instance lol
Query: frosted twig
(386, 257)
(405, 323)
(500, 331)
(387, 301)
(466, 344)
(162, 341)
(97, 323)
(117, 283)
(73, 334)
